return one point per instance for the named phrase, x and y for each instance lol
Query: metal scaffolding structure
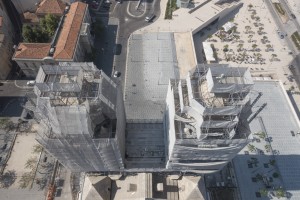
(81, 116)
(203, 116)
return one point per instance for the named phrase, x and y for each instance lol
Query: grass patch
(171, 7)
(279, 9)
(296, 39)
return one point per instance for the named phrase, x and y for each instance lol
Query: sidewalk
(64, 185)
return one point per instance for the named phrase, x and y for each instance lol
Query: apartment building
(70, 43)
(6, 42)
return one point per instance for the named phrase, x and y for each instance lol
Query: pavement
(118, 23)
(64, 191)
(22, 151)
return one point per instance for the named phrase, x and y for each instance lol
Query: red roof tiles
(68, 38)
(32, 50)
(54, 7)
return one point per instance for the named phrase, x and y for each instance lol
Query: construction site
(203, 117)
(83, 124)
(81, 116)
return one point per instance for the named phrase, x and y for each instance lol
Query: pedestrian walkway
(191, 20)
(64, 185)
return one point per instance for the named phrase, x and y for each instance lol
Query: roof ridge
(73, 13)
(65, 44)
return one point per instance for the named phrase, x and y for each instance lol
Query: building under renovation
(202, 116)
(82, 120)
(81, 115)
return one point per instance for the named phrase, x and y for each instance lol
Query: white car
(149, 18)
(117, 74)
(30, 83)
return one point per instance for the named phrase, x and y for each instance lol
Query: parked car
(30, 83)
(117, 74)
(149, 18)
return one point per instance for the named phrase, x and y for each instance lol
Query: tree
(43, 32)
(272, 162)
(6, 124)
(274, 55)
(225, 48)
(279, 193)
(25, 180)
(261, 135)
(263, 192)
(49, 24)
(251, 147)
(28, 34)
(254, 46)
(40, 36)
(8, 178)
(31, 163)
(34, 34)
(268, 147)
(37, 148)
(275, 175)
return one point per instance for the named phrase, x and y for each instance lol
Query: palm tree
(268, 147)
(263, 192)
(280, 193)
(254, 46)
(251, 147)
(250, 6)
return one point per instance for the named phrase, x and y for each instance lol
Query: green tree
(254, 46)
(25, 180)
(34, 34)
(40, 36)
(37, 148)
(263, 192)
(251, 147)
(275, 175)
(31, 163)
(28, 34)
(280, 193)
(49, 24)
(6, 124)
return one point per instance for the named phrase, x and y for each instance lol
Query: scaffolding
(81, 117)
(207, 107)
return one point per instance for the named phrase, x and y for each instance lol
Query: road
(288, 29)
(12, 97)
(286, 6)
(120, 22)
(296, 61)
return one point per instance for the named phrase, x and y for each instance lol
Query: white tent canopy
(208, 51)
(228, 26)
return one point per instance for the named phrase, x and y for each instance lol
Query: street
(12, 97)
(119, 22)
(286, 28)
